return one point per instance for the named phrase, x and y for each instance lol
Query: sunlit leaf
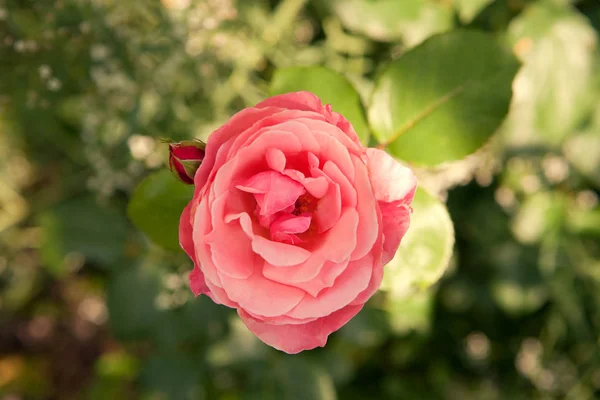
(425, 251)
(411, 21)
(412, 313)
(538, 214)
(554, 90)
(444, 99)
(468, 9)
(331, 87)
(156, 206)
(583, 151)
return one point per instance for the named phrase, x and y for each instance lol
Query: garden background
(92, 308)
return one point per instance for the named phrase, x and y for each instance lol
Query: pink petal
(335, 245)
(251, 159)
(234, 127)
(276, 159)
(289, 223)
(394, 187)
(196, 277)
(197, 282)
(304, 101)
(396, 220)
(231, 249)
(391, 180)
(288, 238)
(278, 191)
(329, 209)
(309, 101)
(317, 187)
(347, 191)
(261, 296)
(325, 278)
(202, 227)
(283, 121)
(185, 232)
(313, 161)
(332, 150)
(368, 226)
(377, 275)
(293, 339)
(294, 174)
(279, 254)
(347, 287)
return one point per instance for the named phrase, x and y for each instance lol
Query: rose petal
(347, 287)
(368, 226)
(348, 193)
(336, 245)
(328, 210)
(325, 278)
(276, 159)
(231, 249)
(202, 227)
(377, 275)
(274, 190)
(291, 223)
(313, 160)
(305, 101)
(250, 160)
(309, 101)
(391, 181)
(293, 339)
(236, 125)
(256, 294)
(185, 232)
(395, 223)
(197, 282)
(279, 254)
(394, 187)
(284, 121)
(334, 151)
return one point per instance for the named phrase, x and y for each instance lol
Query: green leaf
(156, 206)
(444, 99)
(469, 9)
(553, 92)
(300, 379)
(370, 328)
(411, 21)
(517, 286)
(425, 251)
(172, 376)
(583, 152)
(81, 228)
(537, 216)
(330, 86)
(412, 313)
(131, 298)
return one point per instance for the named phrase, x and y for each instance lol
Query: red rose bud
(185, 158)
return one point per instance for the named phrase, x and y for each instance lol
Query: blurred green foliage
(90, 308)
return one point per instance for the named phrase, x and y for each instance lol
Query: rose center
(305, 204)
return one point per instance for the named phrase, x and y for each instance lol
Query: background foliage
(91, 308)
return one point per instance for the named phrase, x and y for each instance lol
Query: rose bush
(292, 220)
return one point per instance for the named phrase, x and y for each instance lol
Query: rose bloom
(292, 220)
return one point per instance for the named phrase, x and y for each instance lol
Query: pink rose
(293, 219)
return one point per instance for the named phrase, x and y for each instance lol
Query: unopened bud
(185, 159)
